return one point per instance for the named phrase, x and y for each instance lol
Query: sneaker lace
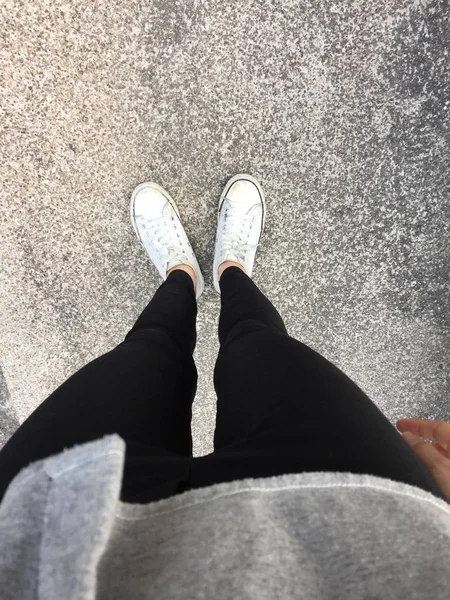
(236, 229)
(165, 237)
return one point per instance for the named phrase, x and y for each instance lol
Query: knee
(251, 328)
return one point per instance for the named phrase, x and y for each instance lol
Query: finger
(434, 461)
(438, 431)
(415, 438)
(441, 450)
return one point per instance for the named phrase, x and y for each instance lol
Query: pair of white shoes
(157, 223)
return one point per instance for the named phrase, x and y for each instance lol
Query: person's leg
(284, 408)
(281, 407)
(141, 390)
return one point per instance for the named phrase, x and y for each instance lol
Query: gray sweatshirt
(64, 534)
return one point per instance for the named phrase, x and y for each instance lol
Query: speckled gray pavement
(341, 109)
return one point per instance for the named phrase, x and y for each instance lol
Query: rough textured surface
(8, 419)
(342, 111)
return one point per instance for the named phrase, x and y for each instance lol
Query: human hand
(434, 454)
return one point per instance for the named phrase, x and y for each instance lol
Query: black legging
(281, 407)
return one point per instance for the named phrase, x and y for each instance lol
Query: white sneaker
(157, 224)
(242, 211)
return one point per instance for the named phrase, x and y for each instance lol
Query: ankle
(187, 269)
(226, 264)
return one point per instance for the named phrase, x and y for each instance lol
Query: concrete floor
(340, 108)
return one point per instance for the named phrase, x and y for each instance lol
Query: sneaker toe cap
(149, 202)
(244, 191)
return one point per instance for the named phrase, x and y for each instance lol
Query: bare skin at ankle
(187, 269)
(190, 271)
(226, 264)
